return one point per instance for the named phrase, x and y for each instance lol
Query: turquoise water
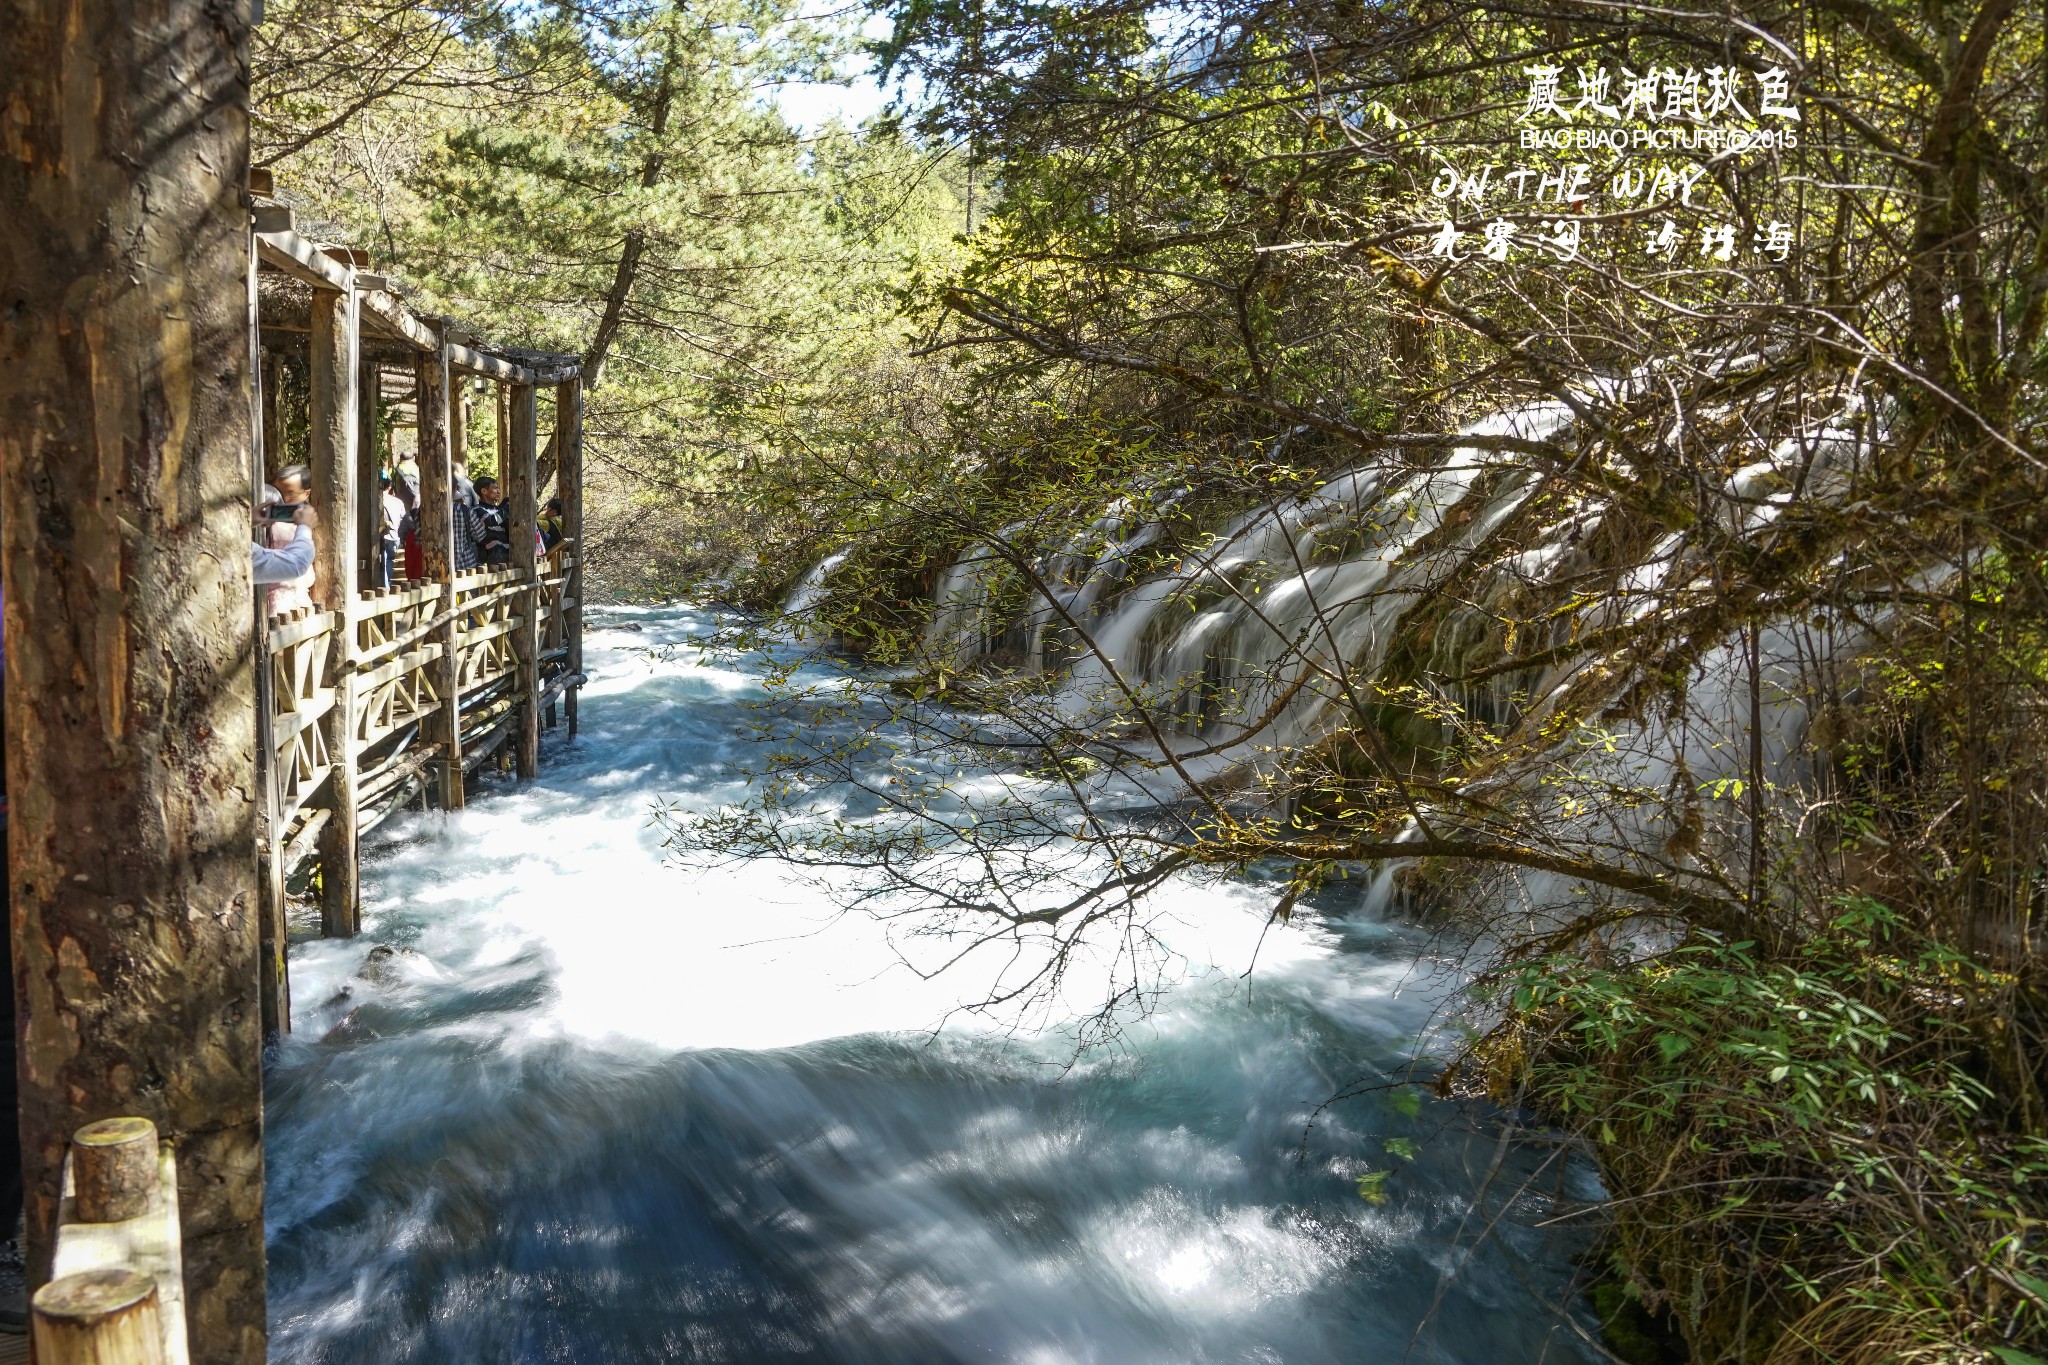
(598, 1109)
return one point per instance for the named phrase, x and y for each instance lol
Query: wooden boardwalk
(376, 697)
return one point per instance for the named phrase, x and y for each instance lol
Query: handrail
(299, 626)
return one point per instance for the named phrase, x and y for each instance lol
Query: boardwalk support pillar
(440, 417)
(569, 480)
(274, 983)
(523, 515)
(369, 464)
(336, 351)
(124, 506)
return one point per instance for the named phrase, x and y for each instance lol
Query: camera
(283, 511)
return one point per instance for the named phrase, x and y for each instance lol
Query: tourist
(496, 520)
(405, 483)
(469, 532)
(394, 520)
(293, 484)
(551, 531)
(282, 555)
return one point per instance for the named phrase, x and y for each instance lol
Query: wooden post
(440, 412)
(272, 428)
(120, 1214)
(99, 1317)
(336, 349)
(369, 463)
(569, 488)
(458, 418)
(113, 1170)
(124, 523)
(523, 516)
(273, 975)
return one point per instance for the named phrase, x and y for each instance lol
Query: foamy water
(601, 1110)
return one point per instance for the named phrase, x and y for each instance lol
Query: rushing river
(599, 1110)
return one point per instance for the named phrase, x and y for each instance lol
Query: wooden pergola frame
(379, 696)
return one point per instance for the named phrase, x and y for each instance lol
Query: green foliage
(607, 180)
(1808, 1137)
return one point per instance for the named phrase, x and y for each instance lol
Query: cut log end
(113, 1169)
(98, 1317)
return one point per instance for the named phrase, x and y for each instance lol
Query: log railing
(116, 1294)
(396, 657)
(395, 651)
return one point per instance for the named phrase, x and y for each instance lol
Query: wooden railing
(394, 649)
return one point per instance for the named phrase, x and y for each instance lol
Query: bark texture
(440, 415)
(124, 488)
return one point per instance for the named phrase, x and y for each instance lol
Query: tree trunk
(569, 441)
(635, 242)
(124, 488)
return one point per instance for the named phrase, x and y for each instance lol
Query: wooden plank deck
(13, 1349)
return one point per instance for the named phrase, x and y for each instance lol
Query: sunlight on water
(598, 1109)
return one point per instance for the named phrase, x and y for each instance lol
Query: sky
(809, 105)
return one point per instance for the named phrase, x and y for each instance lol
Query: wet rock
(351, 1029)
(380, 966)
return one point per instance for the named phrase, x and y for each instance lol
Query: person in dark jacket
(495, 518)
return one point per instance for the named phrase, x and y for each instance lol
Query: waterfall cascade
(810, 590)
(1277, 630)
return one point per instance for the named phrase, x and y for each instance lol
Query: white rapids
(595, 1109)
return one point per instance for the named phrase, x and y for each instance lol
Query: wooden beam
(336, 430)
(458, 420)
(388, 309)
(300, 259)
(305, 260)
(271, 451)
(439, 407)
(522, 516)
(482, 362)
(124, 525)
(569, 486)
(369, 463)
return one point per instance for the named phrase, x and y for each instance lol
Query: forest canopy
(616, 181)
